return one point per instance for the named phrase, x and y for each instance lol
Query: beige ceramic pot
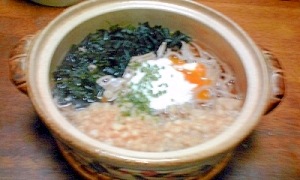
(257, 72)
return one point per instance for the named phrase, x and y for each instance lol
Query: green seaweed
(108, 52)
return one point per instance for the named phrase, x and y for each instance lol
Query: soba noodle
(219, 73)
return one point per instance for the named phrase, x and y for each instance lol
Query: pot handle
(18, 62)
(277, 83)
(19, 57)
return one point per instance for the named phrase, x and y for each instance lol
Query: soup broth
(172, 96)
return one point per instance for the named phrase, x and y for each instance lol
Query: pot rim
(40, 93)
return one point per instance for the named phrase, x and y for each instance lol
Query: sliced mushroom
(128, 74)
(115, 84)
(110, 95)
(104, 81)
(143, 58)
(186, 51)
(161, 50)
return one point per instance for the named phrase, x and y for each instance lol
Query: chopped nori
(109, 52)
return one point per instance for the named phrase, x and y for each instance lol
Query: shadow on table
(49, 147)
(233, 169)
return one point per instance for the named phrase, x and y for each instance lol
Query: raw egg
(180, 79)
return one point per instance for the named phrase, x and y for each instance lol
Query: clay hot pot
(258, 73)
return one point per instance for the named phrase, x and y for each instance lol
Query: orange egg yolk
(195, 76)
(204, 95)
(175, 60)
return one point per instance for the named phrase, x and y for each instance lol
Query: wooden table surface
(272, 151)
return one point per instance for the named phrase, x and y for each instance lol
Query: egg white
(178, 90)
